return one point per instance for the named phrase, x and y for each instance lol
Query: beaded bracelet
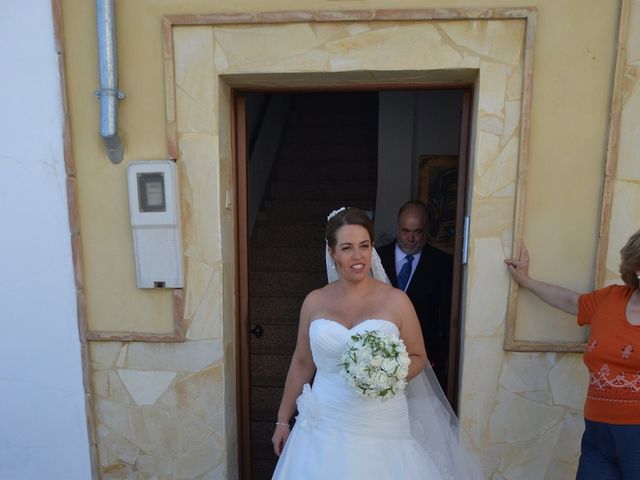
(283, 424)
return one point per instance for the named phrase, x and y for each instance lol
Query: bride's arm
(411, 334)
(301, 371)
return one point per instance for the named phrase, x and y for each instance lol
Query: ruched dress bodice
(338, 403)
(340, 434)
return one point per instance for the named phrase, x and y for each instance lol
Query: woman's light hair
(630, 260)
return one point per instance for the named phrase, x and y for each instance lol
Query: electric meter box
(155, 223)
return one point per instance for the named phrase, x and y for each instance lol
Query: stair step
(365, 118)
(326, 171)
(265, 402)
(276, 310)
(299, 153)
(310, 235)
(300, 259)
(269, 370)
(335, 102)
(330, 134)
(294, 191)
(276, 339)
(279, 212)
(274, 284)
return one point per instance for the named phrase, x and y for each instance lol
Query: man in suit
(424, 273)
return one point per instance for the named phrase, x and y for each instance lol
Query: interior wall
(44, 425)
(411, 124)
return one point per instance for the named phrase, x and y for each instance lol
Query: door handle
(258, 331)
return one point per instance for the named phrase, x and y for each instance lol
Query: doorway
(302, 155)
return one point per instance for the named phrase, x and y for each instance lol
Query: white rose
(389, 365)
(404, 360)
(382, 381)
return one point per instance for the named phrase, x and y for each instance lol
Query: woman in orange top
(611, 442)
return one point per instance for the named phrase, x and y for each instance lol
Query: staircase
(327, 159)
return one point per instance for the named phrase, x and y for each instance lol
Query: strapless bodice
(334, 400)
(329, 339)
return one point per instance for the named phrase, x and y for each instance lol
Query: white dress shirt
(400, 260)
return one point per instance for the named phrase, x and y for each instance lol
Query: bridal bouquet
(375, 365)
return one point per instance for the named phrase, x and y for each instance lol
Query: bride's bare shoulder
(317, 297)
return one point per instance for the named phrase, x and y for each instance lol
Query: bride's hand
(280, 438)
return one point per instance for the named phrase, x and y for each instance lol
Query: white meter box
(155, 223)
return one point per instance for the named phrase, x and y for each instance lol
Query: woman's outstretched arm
(559, 297)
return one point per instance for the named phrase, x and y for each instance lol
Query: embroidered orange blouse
(612, 356)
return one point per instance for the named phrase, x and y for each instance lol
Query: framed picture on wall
(438, 189)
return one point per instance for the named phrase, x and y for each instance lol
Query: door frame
(240, 172)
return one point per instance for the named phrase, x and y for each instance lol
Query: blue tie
(405, 272)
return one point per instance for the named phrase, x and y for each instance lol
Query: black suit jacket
(430, 293)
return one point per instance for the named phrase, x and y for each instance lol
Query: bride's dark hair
(348, 216)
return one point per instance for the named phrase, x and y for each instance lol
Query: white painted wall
(43, 432)
(411, 124)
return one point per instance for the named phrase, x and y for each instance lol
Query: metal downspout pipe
(108, 93)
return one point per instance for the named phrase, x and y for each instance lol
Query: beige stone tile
(122, 449)
(500, 173)
(501, 41)
(192, 429)
(492, 217)
(327, 30)
(155, 465)
(511, 121)
(569, 379)
(412, 46)
(191, 356)
(218, 473)
(355, 29)
(532, 460)
(309, 61)
(491, 124)
(103, 354)
(629, 146)
(107, 384)
(194, 69)
(633, 39)
(260, 44)
(200, 197)
(517, 419)
(105, 456)
(625, 205)
(487, 289)
(488, 150)
(567, 448)
(202, 395)
(483, 359)
(199, 275)
(544, 397)
(122, 356)
(162, 428)
(145, 386)
(514, 84)
(469, 61)
(493, 86)
(220, 61)
(126, 420)
(561, 470)
(207, 319)
(200, 458)
(524, 372)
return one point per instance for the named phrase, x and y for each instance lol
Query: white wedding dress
(341, 435)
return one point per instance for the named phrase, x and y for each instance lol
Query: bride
(338, 433)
